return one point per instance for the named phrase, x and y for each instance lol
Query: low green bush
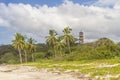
(9, 58)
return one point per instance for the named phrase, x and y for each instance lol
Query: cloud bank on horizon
(100, 19)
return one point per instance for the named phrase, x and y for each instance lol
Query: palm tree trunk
(20, 55)
(33, 57)
(25, 56)
(68, 43)
(59, 50)
(54, 52)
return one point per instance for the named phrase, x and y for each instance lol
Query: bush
(84, 52)
(39, 55)
(48, 54)
(12, 61)
(9, 58)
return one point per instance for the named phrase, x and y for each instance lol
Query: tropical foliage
(57, 43)
(31, 47)
(57, 47)
(22, 45)
(68, 38)
(51, 40)
(18, 44)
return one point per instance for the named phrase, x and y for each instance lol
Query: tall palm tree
(31, 47)
(68, 38)
(51, 40)
(18, 44)
(25, 47)
(59, 45)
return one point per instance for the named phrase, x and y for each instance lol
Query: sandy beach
(10, 72)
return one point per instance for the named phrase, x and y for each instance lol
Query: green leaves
(18, 42)
(67, 37)
(21, 44)
(67, 30)
(51, 39)
(57, 43)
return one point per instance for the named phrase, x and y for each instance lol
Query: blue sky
(48, 2)
(5, 35)
(94, 17)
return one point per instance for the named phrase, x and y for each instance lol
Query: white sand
(31, 73)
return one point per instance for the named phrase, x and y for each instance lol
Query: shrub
(9, 58)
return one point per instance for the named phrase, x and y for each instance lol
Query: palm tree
(59, 45)
(51, 40)
(31, 47)
(26, 46)
(18, 44)
(68, 38)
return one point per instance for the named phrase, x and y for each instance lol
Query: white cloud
(95, 21)
(107, 3)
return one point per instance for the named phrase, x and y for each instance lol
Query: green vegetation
(18, 44)
(93, 68)
(57, 43)
(68, 38)
(60, 48)
(31, 47)
(51, 40)
(21, 45)
(99, 58)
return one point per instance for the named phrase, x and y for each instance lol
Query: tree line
(56, 43)
(57, 47)
(24, 44)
